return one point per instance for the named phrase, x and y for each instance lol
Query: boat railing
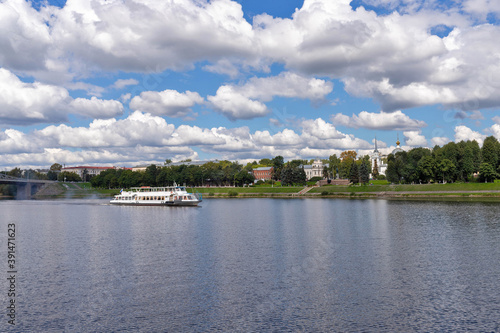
(198, 195)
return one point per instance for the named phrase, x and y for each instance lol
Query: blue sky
(134, 82)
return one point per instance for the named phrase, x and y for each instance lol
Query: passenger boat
(157, 196)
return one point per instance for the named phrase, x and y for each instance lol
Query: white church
(377, 157)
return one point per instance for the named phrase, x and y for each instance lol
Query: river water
(254, 265)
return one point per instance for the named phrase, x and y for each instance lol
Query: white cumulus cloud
(439, 141)
(96, 108)
(23, 103)
(235, 105)
(247, 101)
(415, 139)
(166, 103)
(464, 133)
(397, 121)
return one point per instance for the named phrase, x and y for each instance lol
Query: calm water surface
(251, 265)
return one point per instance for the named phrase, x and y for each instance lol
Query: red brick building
(263, 173)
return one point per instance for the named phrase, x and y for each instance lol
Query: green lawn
(260, 189)
(84, 189)
(465, 187)
(205, 190)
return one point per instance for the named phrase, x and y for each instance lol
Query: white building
(376, 157)
(86, 170)
(314, 170)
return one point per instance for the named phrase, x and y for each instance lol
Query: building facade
(314, 170)
(86, 170)
(263, 173)
(376, 159)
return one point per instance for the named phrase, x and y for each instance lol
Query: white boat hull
(160, 203)
(156, 196)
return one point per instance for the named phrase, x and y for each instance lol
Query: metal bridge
(25, 187)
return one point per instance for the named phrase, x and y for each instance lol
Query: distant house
(86, 170)
(141, 168)
(263, 173)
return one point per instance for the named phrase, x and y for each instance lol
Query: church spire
(397, 142)
(376, 150)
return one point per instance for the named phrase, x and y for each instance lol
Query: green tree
(41, 176)
(292, 174)
(278, 163)
(149, 178)
(347, 158)
(364, 171)
(56, 167)
(390, 172)
(467, 163)
(69, 177)
(425, 169)
(476, 153)
(16, 172)
(375, 172)
(333, 165)
(445, 168)
(490, 151)
(354, 173)
(487, 172)
(396, 168)
(266, 162)
(244, 177)
(326, 174)
(52, 175)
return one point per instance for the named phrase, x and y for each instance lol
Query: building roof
(263, 169)
(398, 148)
(87, 167)
(189, 163)
(310, 166)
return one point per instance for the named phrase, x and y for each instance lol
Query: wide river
(253, 265)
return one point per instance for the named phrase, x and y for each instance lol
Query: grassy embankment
(378, 189)
(382, 188)
(247, 192)
(73, 190)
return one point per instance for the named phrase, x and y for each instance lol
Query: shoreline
(465, 191)
(337, 195)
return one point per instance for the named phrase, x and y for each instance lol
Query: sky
(126, 83)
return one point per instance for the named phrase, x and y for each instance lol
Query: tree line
(221, 173)
(218, 173)
(463, 161)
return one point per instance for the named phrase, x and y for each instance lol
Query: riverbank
(456, 190)
(72, 191)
